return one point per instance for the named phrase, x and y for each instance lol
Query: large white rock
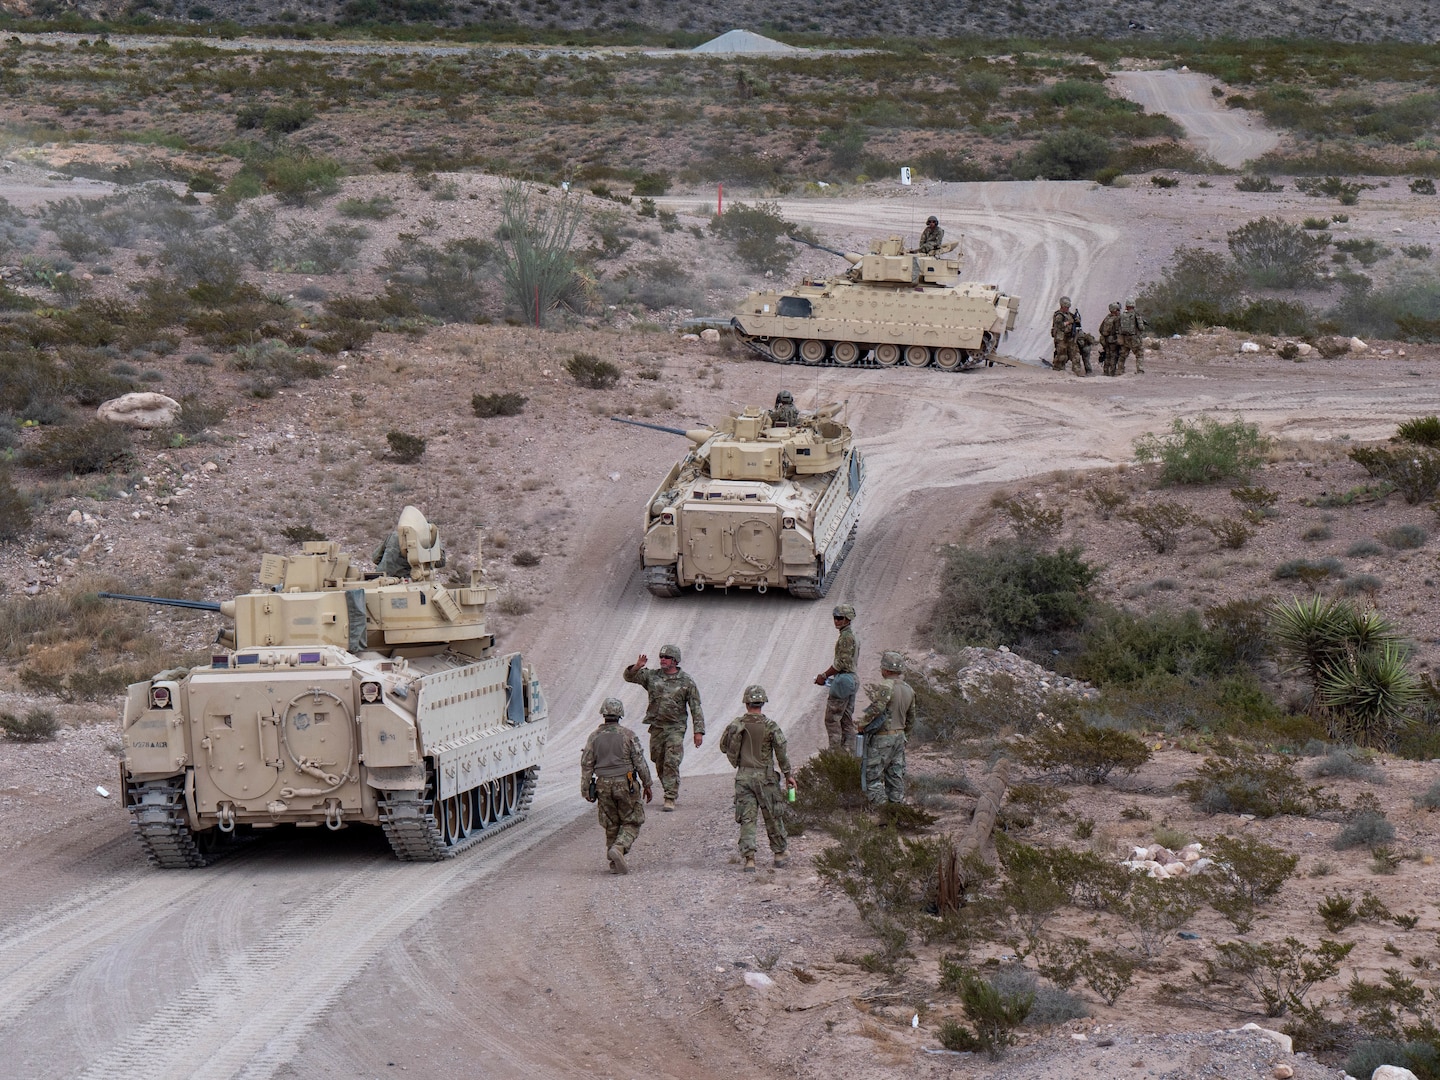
(1249, 346)
(1304, 348)
(1356, 345)
(710, 334)
(1392, 1072)
(1279, 1038)
(758, 980)
(142, 410)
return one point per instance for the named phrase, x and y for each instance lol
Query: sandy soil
(304, 956)
(1230, 137)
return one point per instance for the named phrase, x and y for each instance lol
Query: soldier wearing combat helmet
(1110, 338)
(614, 776)
(932, 238)
(886, 722)
(784, 414)
(841, 681)
(1064, 329)
(752, 742)
(673, 694)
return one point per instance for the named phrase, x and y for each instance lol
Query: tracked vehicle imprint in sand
(893, 308)
(338, 698)
(755, 505)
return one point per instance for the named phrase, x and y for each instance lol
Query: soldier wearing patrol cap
(672, 694)
(752, 742)
(932, 238)
(614, 776)
(886, 722)
(841, 681)
(784, 414)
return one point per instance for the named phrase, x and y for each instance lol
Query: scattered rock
(710, 334)
(1356, 345)
(758, 980)
(1249, 346)
(1392, 1072)
(1304, 348)
(689, 338)
(1279, 1038)
(1282, 1072)
(75, 518)
(1031, 681)
(142, 410)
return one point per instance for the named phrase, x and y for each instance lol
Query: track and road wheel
(662, 581)
(815, 588)
(846, 353)
(467, 813)
(947, 359)
(917, 355)
(157, 812)
(418, 825)
(887, 354)
(782, 349)
(813, 351)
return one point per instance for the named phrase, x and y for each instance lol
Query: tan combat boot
(749, 866)
(617, 860)
(782, 860)
(669, 806)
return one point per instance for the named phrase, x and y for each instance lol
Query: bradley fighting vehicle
(755, 506)
(338, 698)
(891, 306)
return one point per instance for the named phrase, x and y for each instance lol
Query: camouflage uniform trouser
(758, 792)
(1066, 351)
(884, 768)
(840, 721)
(667, 750)
(1129, 343)
(1108, 356)
(621, 811)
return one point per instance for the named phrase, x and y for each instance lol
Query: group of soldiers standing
(615, 776)
(1120, 336)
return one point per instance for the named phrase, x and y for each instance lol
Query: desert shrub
(1120, 648)
(1154, 909)
(1052, 1005)
(538, 269)
(1231, 533)
(1257, 501)
(202, 260)
(85, 448)
(1337, 912)
(525, 558)
(1347, 192)
(275, 119)
(196, 414)
(1105, 498)
(37, 725)
(1280, 974)
(1416, 251)
(827, 784)
(1258, 183)
(445, 282)
(1317, 532)
(1008, 592)
(1407, 307)
(757, 233)
(1423, 186)
(1204, 451)
(882, 872)
(273, 364)
(1082, 753)
(1367, 251)
(406, 448)
(1272, 253)
(1033, 523)
(1251, 868)
(1360, 585)
(1068, 154)
(1197, 286)
(1430, 800)
(591, 372)
(296, 179)
(375, 208)
(1367, 828)
(328, 251)
(993, 1014)
(1405, 537)
(1343, 763)
(1238, 780)
(1422, 430)
(15, 516)
(656, 183)
(1308, 570)
(1160, 523)
(508, 403)
(302, 533)
(655, 283)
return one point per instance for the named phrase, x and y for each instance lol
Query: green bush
(445, 282)
(1415, 471)
(591, 372)
(1407, 307)
(197, 415)
(405, 447)
(1251, 868)
(538, 268)
(1309, 570)
(1007, 593)
(1069, 154)
(1258, 183)
(37, 725)
(1405, 537)
(375, 208)
(1034, 523)
(1160, 523)
(1236, 780)
(1343, 763)
(509, 403)
(1082, 753)
(1422, 430)
(1275, 254)
(757, 233)
(656, 183)
(85, 448)
(1367, 829)
(1204, 450)
(827, 784)
(993, 1015)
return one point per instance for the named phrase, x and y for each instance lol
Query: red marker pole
(719, 200)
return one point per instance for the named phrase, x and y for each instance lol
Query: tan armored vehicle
(755, 506)
(338, 698)
(892, 306)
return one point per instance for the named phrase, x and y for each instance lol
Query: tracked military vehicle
(892, 308)
(755, 505)
(338, 698)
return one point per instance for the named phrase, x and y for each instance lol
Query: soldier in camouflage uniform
(932, 238)
(784, 414)
(842, 682)
(1129, 331)
(886, 722)
(672, 694)
(751, 742)
(613, 775)
(1064, 326)
(1110, 338)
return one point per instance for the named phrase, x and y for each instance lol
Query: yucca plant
(1369, 693)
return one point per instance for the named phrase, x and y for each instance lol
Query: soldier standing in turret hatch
(672, 694)
(932, 238)
(784, 414)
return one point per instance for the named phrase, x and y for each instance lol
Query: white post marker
(905, 175)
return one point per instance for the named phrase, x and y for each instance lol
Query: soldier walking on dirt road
(672, 694)
(751, 742)
(1110, 338)
(886, 722)
(1130, 328)
(840, 679)
(613, 776)
(1064, 328)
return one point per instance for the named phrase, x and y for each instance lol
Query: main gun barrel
(194, 605)
(652, 427)
(818, 247)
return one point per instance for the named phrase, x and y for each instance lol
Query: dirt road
(1228, 136)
